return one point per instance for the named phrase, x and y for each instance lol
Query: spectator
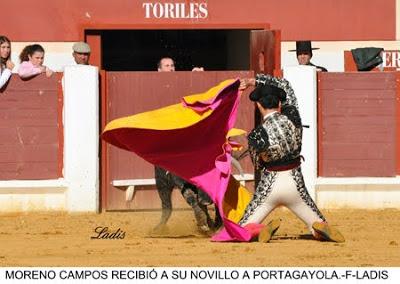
(81, 53)
(304, 54)
(32, 57)
(167, 64)
(6, 65)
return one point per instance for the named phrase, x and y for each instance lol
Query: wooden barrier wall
(31, 129)
(134, 92)
(357, 118)
(357, 121)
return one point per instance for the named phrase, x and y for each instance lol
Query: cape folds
(191, 139)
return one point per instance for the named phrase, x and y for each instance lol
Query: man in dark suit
(304, 54)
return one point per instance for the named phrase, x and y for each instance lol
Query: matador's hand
(245, 83)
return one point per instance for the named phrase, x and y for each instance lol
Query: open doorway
(140, 50)
(228, 50)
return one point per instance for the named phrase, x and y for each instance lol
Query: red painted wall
(134, 92)
(64, 20)
(30, 139)
(357, 117)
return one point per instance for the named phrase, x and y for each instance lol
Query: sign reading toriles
(175, 10)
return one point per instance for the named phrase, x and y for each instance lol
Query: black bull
(195, 197)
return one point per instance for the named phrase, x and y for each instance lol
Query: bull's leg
(205, 200)
(218, 219)
(164, 189)
(200, 210)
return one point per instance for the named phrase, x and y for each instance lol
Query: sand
(60, 239)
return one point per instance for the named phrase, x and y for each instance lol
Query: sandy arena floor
(65, 240)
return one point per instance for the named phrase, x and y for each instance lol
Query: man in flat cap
(275, 148)
(304, 54)
(81, 53)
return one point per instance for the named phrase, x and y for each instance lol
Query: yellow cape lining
(171, 117)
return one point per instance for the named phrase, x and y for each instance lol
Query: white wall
(304, 81)
(81, 132)
(32, 195)
(362, 193)
(57, 54)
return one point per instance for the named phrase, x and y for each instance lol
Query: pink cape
(199, 153)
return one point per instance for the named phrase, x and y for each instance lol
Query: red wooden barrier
(357, 124)
(133, 92)
(30, 141)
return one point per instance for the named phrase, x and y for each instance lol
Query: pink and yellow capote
(192, 140)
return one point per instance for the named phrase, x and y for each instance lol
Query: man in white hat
(81, 53)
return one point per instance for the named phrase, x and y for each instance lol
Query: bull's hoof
(205, 230)
(216, 224)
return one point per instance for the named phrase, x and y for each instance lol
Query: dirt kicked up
(71, 240)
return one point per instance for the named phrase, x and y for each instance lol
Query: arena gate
(127, 181)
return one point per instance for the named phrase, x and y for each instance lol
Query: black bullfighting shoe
(328, 233)
(268, 231)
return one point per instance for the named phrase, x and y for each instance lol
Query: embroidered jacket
(277, 141)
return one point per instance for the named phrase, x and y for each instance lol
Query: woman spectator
(6, 65)
(32, 57)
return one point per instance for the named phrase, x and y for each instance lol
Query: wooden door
(129, 93)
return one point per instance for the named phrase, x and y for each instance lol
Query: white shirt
(5, 74)
(269, 114)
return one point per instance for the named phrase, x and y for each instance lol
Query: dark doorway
(140, 50)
